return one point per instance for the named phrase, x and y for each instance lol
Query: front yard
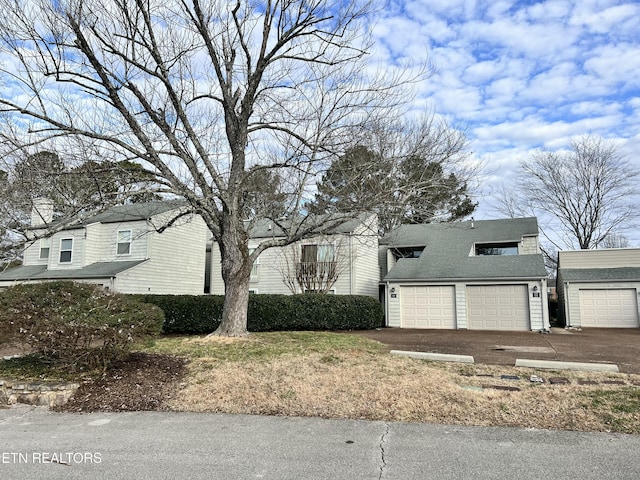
(347, 376)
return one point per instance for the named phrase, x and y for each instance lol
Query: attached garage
(498, 307)
(599, 288)
(608, 308)
(428, 307)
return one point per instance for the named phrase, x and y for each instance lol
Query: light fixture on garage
(393, 289)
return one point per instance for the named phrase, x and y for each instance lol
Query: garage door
(611, 308)
(498, 307)
(428, 307)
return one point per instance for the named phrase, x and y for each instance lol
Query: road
(38, 444)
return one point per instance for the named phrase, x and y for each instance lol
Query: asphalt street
(38, 444)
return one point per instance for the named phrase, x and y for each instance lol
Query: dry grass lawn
(344, 376)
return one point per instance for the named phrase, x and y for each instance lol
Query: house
(119, 249)
(342, 262)
(599, 288)
(481, 275)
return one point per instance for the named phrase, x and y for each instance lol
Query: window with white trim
(124, 242)
(45, 248)
(256, 264)
(66, 250)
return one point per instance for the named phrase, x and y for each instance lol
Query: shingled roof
(448, 248)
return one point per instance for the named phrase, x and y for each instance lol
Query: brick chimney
(41, 211)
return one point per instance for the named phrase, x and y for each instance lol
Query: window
(66, 250)
(256, 264)
(324, 252)
(510, 248)
(124, 242)
(407, 252)
(45, 247)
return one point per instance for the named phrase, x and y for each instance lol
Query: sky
(523, 75)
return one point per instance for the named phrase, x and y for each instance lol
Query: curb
(591, 367)
(435, 357)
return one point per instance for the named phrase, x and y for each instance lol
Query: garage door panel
(498, 307)
(428, 307)
(608, 308)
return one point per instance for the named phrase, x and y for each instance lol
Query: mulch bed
(143, 381)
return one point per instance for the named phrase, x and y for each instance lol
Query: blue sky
(523, 75)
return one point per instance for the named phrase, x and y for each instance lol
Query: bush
(186, 314)
(74, 325)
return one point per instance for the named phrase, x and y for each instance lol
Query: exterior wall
(530, 245)
(102, 242)
(461, 306)
(176, 262)
(357, 257)
(31, 254)
(606, 258)
(77, 254)
(571, 297)
(366, 269)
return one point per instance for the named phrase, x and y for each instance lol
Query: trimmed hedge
(199, 314)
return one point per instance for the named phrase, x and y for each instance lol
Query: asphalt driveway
(594, 345)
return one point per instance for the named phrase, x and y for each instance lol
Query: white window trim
(69, 250)
(255, 267)
(45, 243)
(130, 242)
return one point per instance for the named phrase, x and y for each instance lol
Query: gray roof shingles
(448, 245)
(40, 272)
(600, 274)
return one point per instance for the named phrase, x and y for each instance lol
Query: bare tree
(581, 196)
(314, 268)
(205, 95)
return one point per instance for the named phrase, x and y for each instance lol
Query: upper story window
(507, 248)
(324, 252)
(66, 250)
(256, 264)
(45, 248)
(407, 252)
(124, 242)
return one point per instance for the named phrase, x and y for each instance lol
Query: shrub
(74, 325)
(201, 314)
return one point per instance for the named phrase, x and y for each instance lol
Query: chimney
(41, 211)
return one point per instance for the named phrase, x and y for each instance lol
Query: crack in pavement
(383, 441)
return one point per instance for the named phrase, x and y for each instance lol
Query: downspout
(351, 269)
(567, 320)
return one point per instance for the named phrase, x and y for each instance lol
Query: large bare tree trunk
(236, 273)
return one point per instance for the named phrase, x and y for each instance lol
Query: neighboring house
(599, 288)
(343, 262)
(481, 275)
(120, 250)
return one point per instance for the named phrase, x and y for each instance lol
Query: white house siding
(31, 254)
(176, 262)
(77, 254)
(102, 241)
(357, 257)
(461, 306)
(605, 258)
(572, 297)
(366, 270)
(529, 246)
(394, 305)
